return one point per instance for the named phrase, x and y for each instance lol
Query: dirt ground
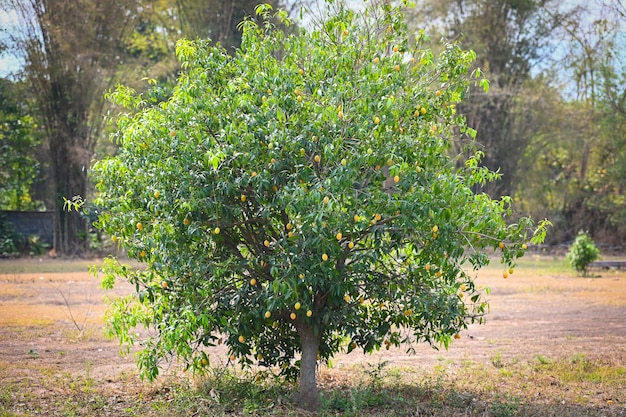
(538, 311)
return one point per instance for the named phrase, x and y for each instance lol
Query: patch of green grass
(543, 265)
(578, 369)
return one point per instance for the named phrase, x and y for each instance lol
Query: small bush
(8, 238)
(582, 253)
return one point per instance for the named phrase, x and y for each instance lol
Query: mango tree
(298, 198)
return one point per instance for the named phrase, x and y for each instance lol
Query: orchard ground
(554, 344)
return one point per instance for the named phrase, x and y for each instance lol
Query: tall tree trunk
(70, 179)
(308, 397)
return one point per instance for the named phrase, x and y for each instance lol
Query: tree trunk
(308, 397)
(70, 171)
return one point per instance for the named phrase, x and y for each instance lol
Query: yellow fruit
(186, 221)
(427, 267)
(232, 358)
(356, 218)
(243, 198)
(253, 174)
(139, 226)
(435, 229)
(347, 298)
(351, 245)
(412, 60)
(463, 287)
(299, 99)
(241, 339)
(438, 93)
(288, 226)
(301, 276)
(505, 274)
(511, 270)
(376, 120)
(268, 314)
(300, 71)
(340, 114)
(296, 306)
(524, 246)
(339, 236)
(157, 194)
(416, 113)
(114, 238)
(326, 200)
(377, 217)
(317, 159)
(164, 284)
(361, 300)
(172, 133)
(292, 316)
(290, 234)
(204, 362)
(457, 336)
(269, 91)
(434, 235)
(423, 110)
(309, 313)
(408, 312)
(439, 273)
(396, 49)
(397, 68)
(344, 162)
(345, 33)
(142, 253)
(324, 257)
(259, 357)
(266, 243)
(376, 60)
(253, 282)
(216, 230)
(396, 179)
(501, 245)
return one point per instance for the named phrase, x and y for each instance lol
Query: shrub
(582, 253)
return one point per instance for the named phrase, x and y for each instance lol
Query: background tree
(509, 37)
(70, 50)
(215, 19)
(575, 162)
(308, 182)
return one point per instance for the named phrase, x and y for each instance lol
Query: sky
(8, 62)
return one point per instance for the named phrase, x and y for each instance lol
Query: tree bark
(308, 396)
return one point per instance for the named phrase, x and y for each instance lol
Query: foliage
(301, 194)
(18, 142)
(582, 253)
(8, 238)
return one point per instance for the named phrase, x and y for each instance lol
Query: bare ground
(535, 313)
